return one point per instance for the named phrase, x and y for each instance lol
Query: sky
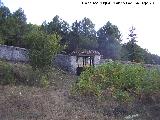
(145, 18)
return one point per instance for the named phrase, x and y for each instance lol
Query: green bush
(19, 74)
(43, 47)
(26, 75)
(1, 40)
(6, 73)
(125, 81)
(44, 81)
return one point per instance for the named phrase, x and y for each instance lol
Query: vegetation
(133, 52)
(15, 31)
(109, 38)
(6, 74)
(123, 81)
(43, 47)
(13, 26)
(120, 82)
(45, 41)
(18, 74)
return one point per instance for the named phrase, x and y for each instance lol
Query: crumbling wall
(12, 53)
(65, 62)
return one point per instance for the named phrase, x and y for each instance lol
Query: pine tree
(134, 52)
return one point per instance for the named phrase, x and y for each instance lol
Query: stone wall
(12, 53)
(69, 63)
(97, 59)
(65, 62)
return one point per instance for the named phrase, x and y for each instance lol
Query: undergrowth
(23, 74)
(6, 74)
(124, 81)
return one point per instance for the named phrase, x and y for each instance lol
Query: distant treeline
(14, 30)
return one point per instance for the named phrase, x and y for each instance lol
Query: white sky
(146, 18)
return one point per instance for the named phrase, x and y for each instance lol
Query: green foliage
(19, 74)
(141, 55)
(59, 26)
(124, 81)
(132, 51)
(1, 40)
(12, 26)
(109, 32)
(151, 58)
(56, 25)
(88, 43)
(152, 85)
(83, 35)
(44, 81)
(109, 38)
(43, 47)
(6, 73)
(4, 13)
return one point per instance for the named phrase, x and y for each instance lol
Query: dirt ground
(56, 103)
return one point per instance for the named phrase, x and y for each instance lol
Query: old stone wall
(97, 59)
(65, 62)
(69, 63)
(12, 53)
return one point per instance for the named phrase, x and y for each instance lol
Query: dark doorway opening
(79, 70)
(84, 58)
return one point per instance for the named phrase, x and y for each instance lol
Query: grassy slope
(56, 103)
(32, 103)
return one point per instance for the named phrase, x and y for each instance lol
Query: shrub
(1, 40)
(20, 74)
(43, 47)
(125, 81)
(44, 81)
(26, 75)
(6, 73)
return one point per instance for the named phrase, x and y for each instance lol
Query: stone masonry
(12, 53)
(65, 62)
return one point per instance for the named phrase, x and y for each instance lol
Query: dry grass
(56, 102)
(29, 103)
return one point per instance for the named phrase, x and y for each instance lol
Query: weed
(125, 81)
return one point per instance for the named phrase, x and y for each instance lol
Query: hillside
(55, 102)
